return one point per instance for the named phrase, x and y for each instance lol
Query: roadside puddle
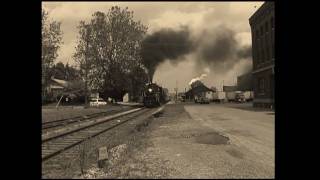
(212, 138)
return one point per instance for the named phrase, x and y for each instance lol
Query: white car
(97, 102)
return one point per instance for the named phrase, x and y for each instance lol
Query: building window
(272, 51)
(254, 35)
(267, 53)
(261, 85)
(257, 34)
(257, 56)
(261, 31)
(272, 23)
(267, 27)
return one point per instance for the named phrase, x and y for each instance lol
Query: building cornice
(263, 69)
(260, 12)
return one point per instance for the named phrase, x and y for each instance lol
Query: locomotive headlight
(150, 90)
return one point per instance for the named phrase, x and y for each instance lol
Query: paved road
(250, 133)
(202, 141)
(206, 141)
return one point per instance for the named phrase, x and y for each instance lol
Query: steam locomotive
(154, 95)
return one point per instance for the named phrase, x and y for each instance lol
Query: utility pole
(86, 69)
(222, 84)
(176, 89)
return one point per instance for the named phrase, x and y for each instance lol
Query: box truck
(248, 95)
(230, 96)
(218, 96)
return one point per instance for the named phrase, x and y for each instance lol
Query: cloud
(201, 17)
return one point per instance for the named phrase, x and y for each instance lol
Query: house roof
(60, 82)
(56, 86)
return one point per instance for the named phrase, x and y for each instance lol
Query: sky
(200, 17)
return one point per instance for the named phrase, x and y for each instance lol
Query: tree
(108, 50)
(138, 78)
(51, 41)
(71, 73)
(58, 71)
(83, 55)
(65, 72)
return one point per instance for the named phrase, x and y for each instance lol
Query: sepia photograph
(158, 90)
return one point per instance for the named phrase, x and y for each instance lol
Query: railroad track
(58, 143)
(63, 122)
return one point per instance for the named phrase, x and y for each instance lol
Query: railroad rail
(58, 143)
(63, 122)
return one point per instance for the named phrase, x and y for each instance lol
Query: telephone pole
(222, 84)
(176, 89)
(86, 68)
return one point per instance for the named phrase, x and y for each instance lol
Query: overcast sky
(156, 15)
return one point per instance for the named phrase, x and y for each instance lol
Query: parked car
(97, 102)
(204, 100)
(203, 97)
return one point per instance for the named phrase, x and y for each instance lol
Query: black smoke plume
(165, 44)
(245, 52)
(219, 50)
(215, 48)
(218, 46)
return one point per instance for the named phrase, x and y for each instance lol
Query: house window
(261, 85)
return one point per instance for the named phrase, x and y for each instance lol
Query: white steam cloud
(197, 78)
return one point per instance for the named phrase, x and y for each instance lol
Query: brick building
(244, 82)
(262, 32)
